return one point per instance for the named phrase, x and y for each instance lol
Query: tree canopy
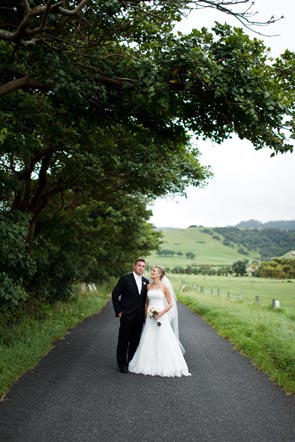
(98, 103)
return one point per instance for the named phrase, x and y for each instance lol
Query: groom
(129, 298)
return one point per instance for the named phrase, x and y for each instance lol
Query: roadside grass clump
(31, 335)
(260, 332)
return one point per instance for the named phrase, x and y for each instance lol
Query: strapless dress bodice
(157, 298)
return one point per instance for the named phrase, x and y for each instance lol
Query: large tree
(121, 61)
(98, 101)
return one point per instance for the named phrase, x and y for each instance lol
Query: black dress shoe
(124, 370)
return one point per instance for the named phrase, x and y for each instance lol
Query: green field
(232, 288)
(207, 249)
(264, 334)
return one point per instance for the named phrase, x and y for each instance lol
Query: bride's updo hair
(161, 270)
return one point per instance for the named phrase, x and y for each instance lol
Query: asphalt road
(76, 394)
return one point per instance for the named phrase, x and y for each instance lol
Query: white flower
(152, 312)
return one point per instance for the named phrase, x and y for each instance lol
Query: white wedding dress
(159, 352)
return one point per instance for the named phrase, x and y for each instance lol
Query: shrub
(16, 264)
(11, 294)
(278, 268)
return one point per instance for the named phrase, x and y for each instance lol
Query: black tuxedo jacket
(128, 300)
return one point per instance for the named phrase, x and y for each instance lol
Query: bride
(159, 352)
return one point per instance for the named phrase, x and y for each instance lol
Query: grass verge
(23, 343)
(265, 335)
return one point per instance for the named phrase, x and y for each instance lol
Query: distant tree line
(276, 268)
(171, 253)
(238, 268)
(204, 269)
(252, 223)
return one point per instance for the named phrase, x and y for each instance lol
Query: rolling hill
(204, 243)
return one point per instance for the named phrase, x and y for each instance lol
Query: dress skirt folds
(159, 352)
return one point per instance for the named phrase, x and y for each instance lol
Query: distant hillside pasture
(207, 248)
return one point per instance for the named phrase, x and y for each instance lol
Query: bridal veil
(173, 312)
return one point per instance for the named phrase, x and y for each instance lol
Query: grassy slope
(264, 334)
(207, 249)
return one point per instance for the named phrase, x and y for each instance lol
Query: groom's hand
(120, 315)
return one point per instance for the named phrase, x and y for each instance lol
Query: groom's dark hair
(138, 260)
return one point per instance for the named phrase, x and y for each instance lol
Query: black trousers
(128, 340)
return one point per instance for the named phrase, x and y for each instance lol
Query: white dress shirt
(138, 280)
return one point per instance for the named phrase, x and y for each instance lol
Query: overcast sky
(247, 184)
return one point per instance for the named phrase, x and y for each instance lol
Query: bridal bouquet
(152, 311)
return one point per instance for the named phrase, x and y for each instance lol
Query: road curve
(76, 394)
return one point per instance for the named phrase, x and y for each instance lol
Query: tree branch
(42, 180)
(75, 11)
(26, 6)
(23, 83)
(245, 17)
(29, 15)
